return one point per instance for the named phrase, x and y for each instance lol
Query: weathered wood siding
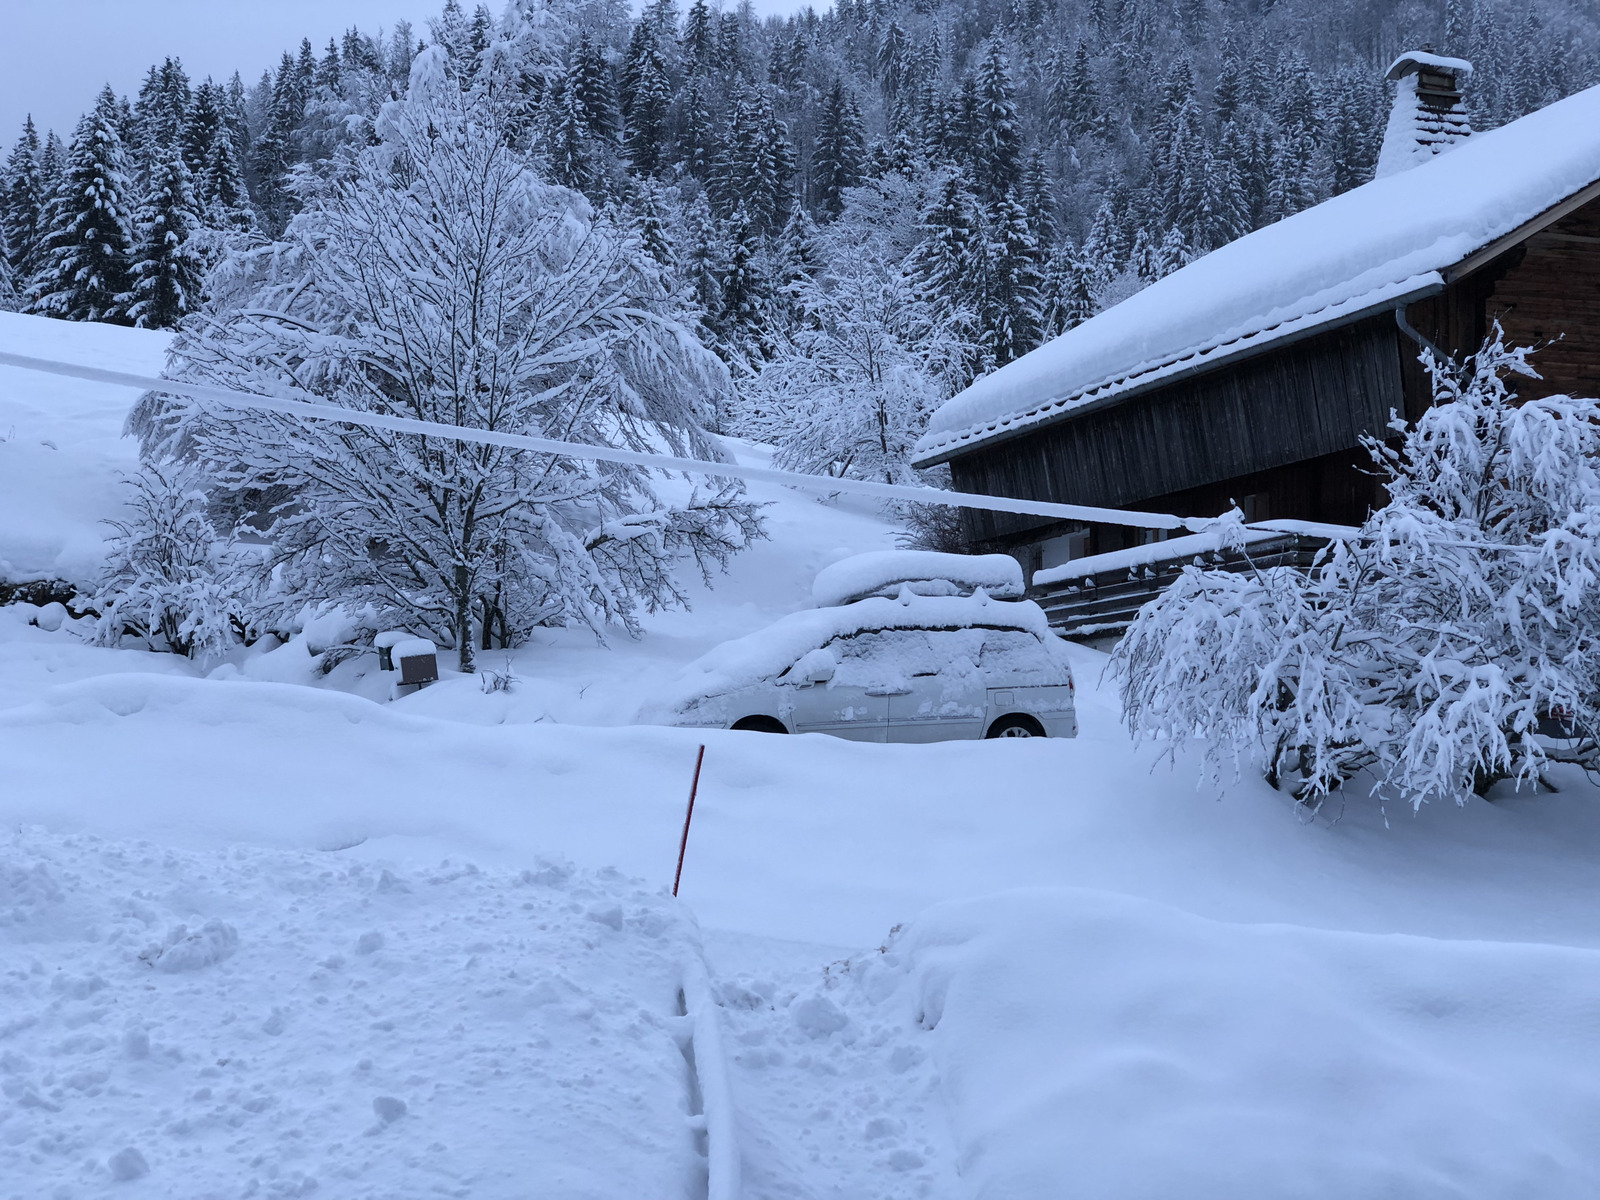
(1307, 400)
(1544, 292)
(1554, 293)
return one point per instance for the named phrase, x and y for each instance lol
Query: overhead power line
(826, 485)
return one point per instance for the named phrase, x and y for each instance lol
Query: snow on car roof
(773, 650)
(862, 575)
(1374, 246)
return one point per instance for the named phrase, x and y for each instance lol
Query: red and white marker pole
(683, 843)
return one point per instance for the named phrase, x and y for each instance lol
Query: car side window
(1012, 652)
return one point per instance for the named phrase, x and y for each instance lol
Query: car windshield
(881, 656)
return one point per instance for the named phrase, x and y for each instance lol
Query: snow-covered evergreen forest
(861, 209)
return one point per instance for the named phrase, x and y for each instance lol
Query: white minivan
(904, 668)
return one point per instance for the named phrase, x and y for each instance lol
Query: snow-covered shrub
(436, 276)
(1431, 645)
(170, 577)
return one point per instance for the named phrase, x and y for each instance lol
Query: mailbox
(417, 659)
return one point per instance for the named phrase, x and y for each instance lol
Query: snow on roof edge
(1230, 347)
(1425, 220)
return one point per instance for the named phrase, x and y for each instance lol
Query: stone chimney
(1428, 117)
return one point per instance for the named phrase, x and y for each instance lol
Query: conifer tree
(200, 125)
(1037, 198)
(704, 259)
(799, 259)
(1227, 209)
(166, 266)
(1072, 102)
(1108, 245)
(836, 156)
(1067, 300)
(651, 227)
(274, 152)
(10, 295)
(589, 84)
(699, 39)
(221, 197)
(997, 149)
(571, 163)
(1012, 310)
(743, 321)
(950, 270)
(22, 202)
(647, 108)
(83, 271)
(1228, 95)
(892, 56)
(161, 111)
(696, 145)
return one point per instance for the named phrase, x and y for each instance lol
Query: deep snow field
(267, 933)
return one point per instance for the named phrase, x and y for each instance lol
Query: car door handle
(888, 692)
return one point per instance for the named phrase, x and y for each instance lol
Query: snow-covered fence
(710, 1066)
(665, 462)
(1101, 595)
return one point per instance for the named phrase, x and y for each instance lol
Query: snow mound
(185, 951)
(488, 1042)
(62, 452)
(1373, 246)
(1143, 1053)
(926, 572)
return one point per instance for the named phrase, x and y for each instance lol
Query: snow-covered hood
(1374, 246)
(768, 652)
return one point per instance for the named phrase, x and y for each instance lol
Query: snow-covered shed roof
(1385, 243)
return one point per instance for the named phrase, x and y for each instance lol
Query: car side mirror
(815, 667)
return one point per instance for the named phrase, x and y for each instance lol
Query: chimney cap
(1413, 61)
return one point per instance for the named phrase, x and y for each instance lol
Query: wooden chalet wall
(1554, 292)
(1544, 291)
(1283, 429)
(1168, 449)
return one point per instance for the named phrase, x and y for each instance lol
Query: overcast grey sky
(56, 54)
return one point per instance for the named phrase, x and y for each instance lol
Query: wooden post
(683, 843)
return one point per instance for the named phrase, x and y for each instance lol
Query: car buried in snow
(902, 667)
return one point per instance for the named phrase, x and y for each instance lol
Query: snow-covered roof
(1374, 247)
(882, 571)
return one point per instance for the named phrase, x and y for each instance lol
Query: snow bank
(773, 650)
(61, 447)
(881, 571)
(1103, 1046)
(250, 1021)
(1374, 245)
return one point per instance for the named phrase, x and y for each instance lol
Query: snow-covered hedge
(1434, 644)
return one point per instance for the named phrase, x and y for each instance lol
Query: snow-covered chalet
(1251, 374)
